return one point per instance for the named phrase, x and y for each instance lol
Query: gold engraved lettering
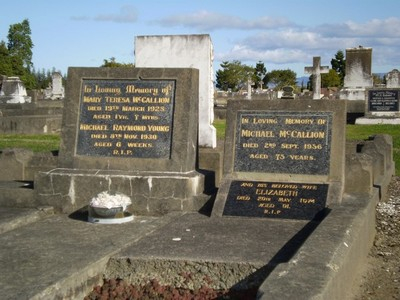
(272, 192)
(257, 133)
(150, 117)
(258, 156)
(87, 99)
(93, 127)
(98, 136)
(163, 128)
(140, 145)
(284, 186)
(100, 90)
(250, 145)
(117, 99)
(264, 121)
(284, 200)
(148, 136)
(262, 198)
(121, 117)
(299, 121)
(312, 146)
(266, 205)
(243, 198)
(301, 157)
(102, 117)
(246, 184)
(307, 201)
(102, 144)
(131, 89)
(302, 134)
(156, 108)
(289, 146)
(132, 108)
(161, 100)
(272, 211)
(117, 127)
(111, 108)
(94, 108)
(130, 136)
(122, 152)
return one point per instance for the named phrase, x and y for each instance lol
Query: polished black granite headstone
(283, 142)
(383, 100)
(275, 199)
(126, 118)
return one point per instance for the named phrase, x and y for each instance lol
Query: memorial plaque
(126, 118)
(275, 199)
(283, 142)
(383, 100)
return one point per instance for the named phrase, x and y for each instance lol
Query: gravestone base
(377, 120)
(152, 193)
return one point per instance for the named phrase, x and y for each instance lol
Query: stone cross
(316, 70)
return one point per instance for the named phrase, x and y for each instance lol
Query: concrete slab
(59, 257)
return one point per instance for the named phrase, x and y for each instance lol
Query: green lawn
(42, 143)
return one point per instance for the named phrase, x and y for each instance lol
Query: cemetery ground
(381, 277)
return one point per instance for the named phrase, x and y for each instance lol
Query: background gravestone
(283, 159)
(127, 130)
(184, 51)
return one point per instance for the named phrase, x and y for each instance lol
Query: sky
(283, 34)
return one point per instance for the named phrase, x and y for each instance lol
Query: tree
(339, 65)
(6, 67)
(233, 75)
(112, 63)
(259, 74)
(280, 78)
(20, 42)
(331, 79)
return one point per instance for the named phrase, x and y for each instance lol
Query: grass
(43, 143)
(37, 143)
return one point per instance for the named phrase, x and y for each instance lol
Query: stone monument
(131, 131)
(281, 160)
(316, 70)
(184, 51)
(55, 90)
(393, 79)
(13, 91)
(358, 73)
(381, 107)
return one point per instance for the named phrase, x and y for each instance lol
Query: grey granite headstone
(128, 130)
(283, 159)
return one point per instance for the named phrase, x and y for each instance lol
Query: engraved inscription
(383, 100)
(283, 142)
(126, 118)
(275, 199)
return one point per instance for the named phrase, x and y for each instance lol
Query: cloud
(210, 21)
(127, 14)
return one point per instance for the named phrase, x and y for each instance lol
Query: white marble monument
(13, 91)
(184, 51)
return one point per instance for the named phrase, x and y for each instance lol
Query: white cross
(316, 70)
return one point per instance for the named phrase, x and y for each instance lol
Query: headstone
(382, 106)
(316, 70)
(358, 73)
(393, 79)
(55, 90)
(287, 92)
(184, 51)
(283, 159)
(13, 91)
(128, 130)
